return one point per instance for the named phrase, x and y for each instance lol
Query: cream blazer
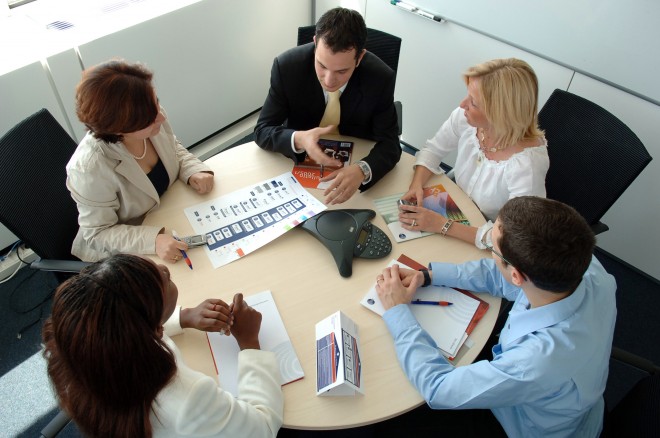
(113, 194)
(193, 405)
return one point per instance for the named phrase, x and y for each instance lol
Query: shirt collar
(341, 91)
(523, 321)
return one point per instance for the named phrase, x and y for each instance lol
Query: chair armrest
(55, 425)
(635, 361)
(73, 266)
(599, 227)
(399, 115)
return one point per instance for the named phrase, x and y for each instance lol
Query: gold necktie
(332, 111)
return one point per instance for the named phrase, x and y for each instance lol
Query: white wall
(433, 56)
(211, 60)
(615, 41)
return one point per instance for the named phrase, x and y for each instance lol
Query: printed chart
(240, 222)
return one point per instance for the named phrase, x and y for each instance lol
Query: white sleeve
(172, 326)
(444, 142)
(205, 409)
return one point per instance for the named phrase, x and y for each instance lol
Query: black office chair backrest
(35, 204)
(594, 156)
(387, 47)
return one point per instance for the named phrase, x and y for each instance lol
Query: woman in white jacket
(125, 163)
(116, 373)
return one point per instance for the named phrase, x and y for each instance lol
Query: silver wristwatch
(364, 167)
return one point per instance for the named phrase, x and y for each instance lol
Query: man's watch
(364, 167)
(427, 277)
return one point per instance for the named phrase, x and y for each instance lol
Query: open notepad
(272, 337)
(449, 326)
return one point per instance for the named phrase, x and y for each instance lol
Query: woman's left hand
(421, 219)
(212, 315)
(202, 182)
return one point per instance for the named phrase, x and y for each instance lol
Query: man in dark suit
(300, 83)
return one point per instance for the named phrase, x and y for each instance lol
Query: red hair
(116, 97)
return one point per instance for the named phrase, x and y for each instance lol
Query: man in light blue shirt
(549, 370)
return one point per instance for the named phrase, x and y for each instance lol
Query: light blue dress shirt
(549, 370)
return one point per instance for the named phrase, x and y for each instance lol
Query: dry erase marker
(183, 253)
(427, 15)
(433, 303)
(402, 5)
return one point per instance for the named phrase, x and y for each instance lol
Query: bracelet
(446, 227)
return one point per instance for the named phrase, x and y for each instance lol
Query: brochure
(436, 198)
(309, 173)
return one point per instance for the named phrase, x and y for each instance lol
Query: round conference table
(307, 288)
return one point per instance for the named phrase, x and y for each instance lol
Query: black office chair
(594, 156)
(637, 413)
(35, 204)
(387, 47)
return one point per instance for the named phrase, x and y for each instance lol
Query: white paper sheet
(272, 337)
(243, 221)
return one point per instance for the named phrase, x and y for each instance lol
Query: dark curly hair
(106, 359)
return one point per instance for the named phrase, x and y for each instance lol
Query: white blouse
(488, 183)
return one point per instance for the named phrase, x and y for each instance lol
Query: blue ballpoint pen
(432, 303)
(183, 253)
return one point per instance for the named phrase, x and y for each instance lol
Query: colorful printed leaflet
(436, 198)
(309, 173)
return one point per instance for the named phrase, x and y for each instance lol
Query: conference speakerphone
(348, 233)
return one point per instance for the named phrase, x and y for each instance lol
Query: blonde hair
(509, 99)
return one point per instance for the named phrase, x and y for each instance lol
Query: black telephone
(348, 233)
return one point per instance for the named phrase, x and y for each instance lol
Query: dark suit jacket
(295, 102)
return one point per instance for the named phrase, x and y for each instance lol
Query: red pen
(433, 303)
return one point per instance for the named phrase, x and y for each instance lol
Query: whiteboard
(615, 41)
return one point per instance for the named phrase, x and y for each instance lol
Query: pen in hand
(432, 303)
(322, 168)
(183, 253)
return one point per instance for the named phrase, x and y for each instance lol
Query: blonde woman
(501, 152)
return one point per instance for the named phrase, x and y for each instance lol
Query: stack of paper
(449, 326)
(272, 337)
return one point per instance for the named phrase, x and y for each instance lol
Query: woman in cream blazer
(116, 179)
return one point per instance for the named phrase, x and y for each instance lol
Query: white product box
(338, 363)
